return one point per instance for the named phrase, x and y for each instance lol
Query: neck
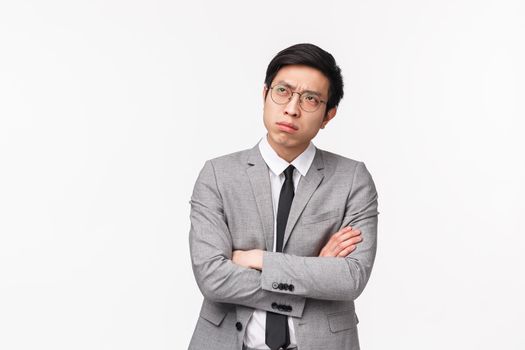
(287, 153)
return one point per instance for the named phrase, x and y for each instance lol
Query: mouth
(288, 127)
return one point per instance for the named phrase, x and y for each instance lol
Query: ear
(264, 92)
(329, 116)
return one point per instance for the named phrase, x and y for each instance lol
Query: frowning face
(291, 128)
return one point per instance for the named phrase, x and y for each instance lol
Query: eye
(311, 100)
(281, 90)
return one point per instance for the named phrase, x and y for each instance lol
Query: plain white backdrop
(108, 110)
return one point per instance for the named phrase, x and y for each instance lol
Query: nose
(292, 108)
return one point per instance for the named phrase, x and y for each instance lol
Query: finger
(353, 233)
(332, 241)
(338, 237)
(346, 236)
(348, 242)
(351, 240)
(331, 246)
(350, 246)
(346, 251)
(341, 232)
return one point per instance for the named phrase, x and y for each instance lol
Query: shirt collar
(277, 165)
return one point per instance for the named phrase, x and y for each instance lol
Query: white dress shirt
(256, 327)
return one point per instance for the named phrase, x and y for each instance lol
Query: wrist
(257, 259)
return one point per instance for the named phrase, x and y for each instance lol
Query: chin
(290, 144)
(283, 139)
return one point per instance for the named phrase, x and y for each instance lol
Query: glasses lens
(310, 102)
(281, 94)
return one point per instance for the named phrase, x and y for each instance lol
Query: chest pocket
(316, 218)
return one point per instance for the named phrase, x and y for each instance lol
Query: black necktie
(277, 333)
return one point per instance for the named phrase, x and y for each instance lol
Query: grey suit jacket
(231, 208)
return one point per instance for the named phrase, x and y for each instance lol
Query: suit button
(274, 306)
(275, 285)
(291, 287)
(281, 286)
(280, 307)
(238, 325)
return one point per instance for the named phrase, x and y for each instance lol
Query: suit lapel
(305, 189)
(260, 181)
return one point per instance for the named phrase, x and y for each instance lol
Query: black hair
(312, 56)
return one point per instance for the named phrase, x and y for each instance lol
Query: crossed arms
(339, 273)
(340, 244)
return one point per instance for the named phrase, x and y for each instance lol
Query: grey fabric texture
(231, 208)
(248, 348)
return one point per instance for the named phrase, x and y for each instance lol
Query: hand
(251, 259)
(342, 243)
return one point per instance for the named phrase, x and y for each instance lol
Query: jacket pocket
(312, 219)
(213, 312)
(340, 321)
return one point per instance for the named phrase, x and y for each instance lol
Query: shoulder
(344, 168)
(230, 160)
(227, 165)
(225, 168)
(336, 162)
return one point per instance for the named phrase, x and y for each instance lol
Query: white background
(110, 108)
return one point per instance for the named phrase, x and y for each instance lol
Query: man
(283, 235)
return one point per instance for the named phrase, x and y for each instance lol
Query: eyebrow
(282, 82)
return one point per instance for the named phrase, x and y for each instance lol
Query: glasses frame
(295, 92)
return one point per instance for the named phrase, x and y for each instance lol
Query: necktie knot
(288, 172)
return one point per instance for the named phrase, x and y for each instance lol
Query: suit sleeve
(332, 278)
(218, 278)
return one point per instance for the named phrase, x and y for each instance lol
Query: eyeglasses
(308, 101)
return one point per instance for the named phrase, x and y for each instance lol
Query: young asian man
(283, 235)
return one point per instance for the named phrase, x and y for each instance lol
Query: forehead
(303, 78)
